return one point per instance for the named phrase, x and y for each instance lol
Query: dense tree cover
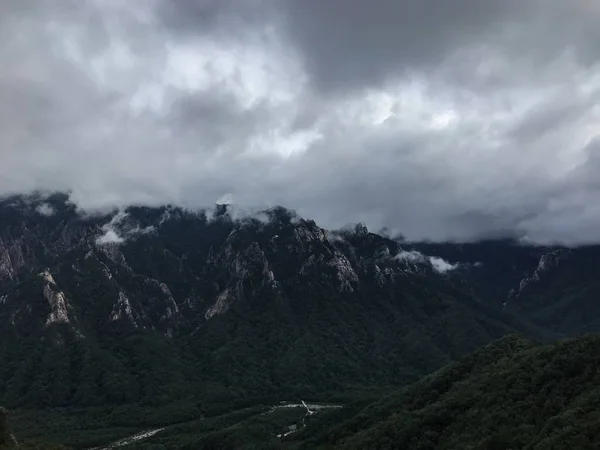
(5, 435)
(510, 395)
(9, 441)
(328, 351)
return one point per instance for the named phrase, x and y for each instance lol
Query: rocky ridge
(256, 255)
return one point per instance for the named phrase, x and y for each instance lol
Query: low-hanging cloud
(110, 232)
(438, 264)
(438, 120)
(120, 228)
(45, 210)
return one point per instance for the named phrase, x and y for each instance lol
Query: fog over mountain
(440, 120)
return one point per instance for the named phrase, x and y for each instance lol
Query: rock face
(11, 259)
(56, 300)
(224, 301)
(547, 262)
(123, 310)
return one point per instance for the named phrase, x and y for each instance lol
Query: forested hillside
(512, 394)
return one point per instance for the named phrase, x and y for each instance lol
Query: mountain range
(119, 321)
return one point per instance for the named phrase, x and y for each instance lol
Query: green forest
(511, 394)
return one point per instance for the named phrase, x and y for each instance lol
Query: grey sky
(438, 119)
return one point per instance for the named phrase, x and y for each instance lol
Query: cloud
(436, 119)
(226, 199)
(113, 230)
(412, 256)
(442, 266)
(45, 210)
(109, 237)
(438, 264)
(121, 227)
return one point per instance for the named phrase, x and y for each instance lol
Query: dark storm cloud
(349, 43)
(353, 43)
(197, 17)
(437, 119)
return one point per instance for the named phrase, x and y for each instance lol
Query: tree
(5, 437)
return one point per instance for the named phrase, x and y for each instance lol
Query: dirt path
(310, 410)
(131, 439)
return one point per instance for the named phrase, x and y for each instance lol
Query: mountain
(155, 316)
(562, 292)
(554, 287)
(510, 394)
(491, 269)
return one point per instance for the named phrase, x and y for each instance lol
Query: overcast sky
(439, 119)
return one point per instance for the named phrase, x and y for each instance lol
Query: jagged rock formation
(122, 310)
(11, 260)
(546, 263)
(56, 300)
